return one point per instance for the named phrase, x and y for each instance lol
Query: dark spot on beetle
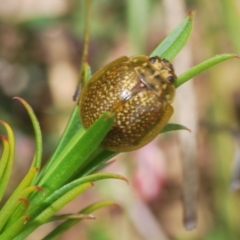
(152, 71)
(171, 79)
(158, 77)
(153, 59)
(142, 75)
(150, 86)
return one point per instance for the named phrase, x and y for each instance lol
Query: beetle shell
(138, 90)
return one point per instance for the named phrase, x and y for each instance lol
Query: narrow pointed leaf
(12, 204)
(102, 166)
(19, 201)
(87, 73)
(37, 130)
(16, 227)
(95, 163)
(51, 210)
(9, 206)
(184, 77)
(61, 201)
(176, 40)
(58, 231)
(34, 211)
(8, 157)
(78, 149)
(82, 68)
(3, 163)
(20, 211)
(27, 181)
(174, 127)
(20, 192)
(73, 126)
(70, 216)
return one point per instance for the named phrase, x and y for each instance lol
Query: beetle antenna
(85, 50)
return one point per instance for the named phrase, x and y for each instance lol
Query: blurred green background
(40, 51)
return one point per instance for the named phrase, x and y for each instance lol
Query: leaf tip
(124, 179)
(21, 100)
(116, 205)
(37, 188)
(4, 123)
(17, 98)
(188, 129)
(92, 217)
(120, 177)
(25, 201)
(3, 138)
(237, 56)
(192, 14)
(26, 219)
(35, 169)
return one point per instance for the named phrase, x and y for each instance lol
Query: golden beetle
(139, 91)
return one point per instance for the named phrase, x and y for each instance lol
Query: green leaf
(13, 201)
(78, 149)
(174, 127)
(176, 40)
(38, 135)
(70, 216)
(4, 164)
(62, 228)
(87, 72)
(72, 128)
(184, 77)
(20, 211)
(95, 162)
(48, 212)
(8, 210)
(33, 212)
(10, 232)
(8, 159)
(41, 213)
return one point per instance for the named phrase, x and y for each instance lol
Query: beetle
(139, 91)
